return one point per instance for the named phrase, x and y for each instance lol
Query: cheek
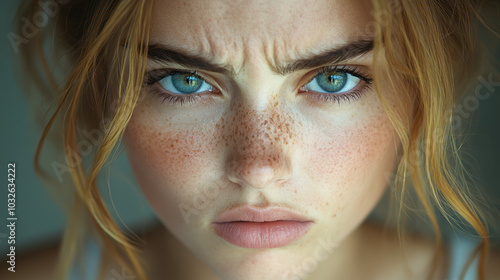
(173, 156)
(344, 161)
(351, 163)
(169, 163)
(352, 152)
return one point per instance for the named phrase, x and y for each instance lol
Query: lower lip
(261, 234)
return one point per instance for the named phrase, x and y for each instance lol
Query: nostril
(258, 171)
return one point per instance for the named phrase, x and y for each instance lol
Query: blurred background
(40, 221)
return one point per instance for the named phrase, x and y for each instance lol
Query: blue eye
(184, 83)
(332, 82)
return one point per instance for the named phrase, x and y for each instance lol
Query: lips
(270, 227)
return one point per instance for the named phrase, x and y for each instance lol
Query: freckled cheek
(175, 157)
(170, 166)
(350, 155)
(349, 167)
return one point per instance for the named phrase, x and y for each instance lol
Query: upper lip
(256, 214)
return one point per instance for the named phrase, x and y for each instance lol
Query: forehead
(280, 29)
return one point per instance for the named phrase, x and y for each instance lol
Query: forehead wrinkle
(225, 49)
(241, 49)
(285, 48)
(283, 51)
(271, 48)
(223, 37)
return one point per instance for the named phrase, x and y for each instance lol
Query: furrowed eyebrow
(331, 57)
(162, 53)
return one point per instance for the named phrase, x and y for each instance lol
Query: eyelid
(355, 70)
(155, 75)
(361, 72)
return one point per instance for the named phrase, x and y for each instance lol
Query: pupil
(332, 81)
(190, 80)
(186, 83)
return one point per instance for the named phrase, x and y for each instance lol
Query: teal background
(40, 221)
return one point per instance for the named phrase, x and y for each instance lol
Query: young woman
(263, 133)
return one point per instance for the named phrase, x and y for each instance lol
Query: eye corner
(355, 80)
(180, 87)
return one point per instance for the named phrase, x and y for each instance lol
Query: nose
(259, 156)
(258, 171)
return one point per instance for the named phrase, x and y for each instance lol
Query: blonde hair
(425, 51)
(421, 49)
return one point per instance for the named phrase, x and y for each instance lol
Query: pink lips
(270, 227)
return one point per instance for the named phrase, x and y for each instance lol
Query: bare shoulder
(493, 265)
(39, 264)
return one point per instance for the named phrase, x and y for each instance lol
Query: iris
(186, 83)
(332, 81)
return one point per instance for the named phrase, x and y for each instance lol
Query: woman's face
(261, 104)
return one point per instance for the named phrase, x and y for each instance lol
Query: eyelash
(154, 76)
(354, 94)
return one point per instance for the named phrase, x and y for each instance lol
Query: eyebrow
(330, 57)
(162, 53)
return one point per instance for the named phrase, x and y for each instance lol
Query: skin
(257, 141)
